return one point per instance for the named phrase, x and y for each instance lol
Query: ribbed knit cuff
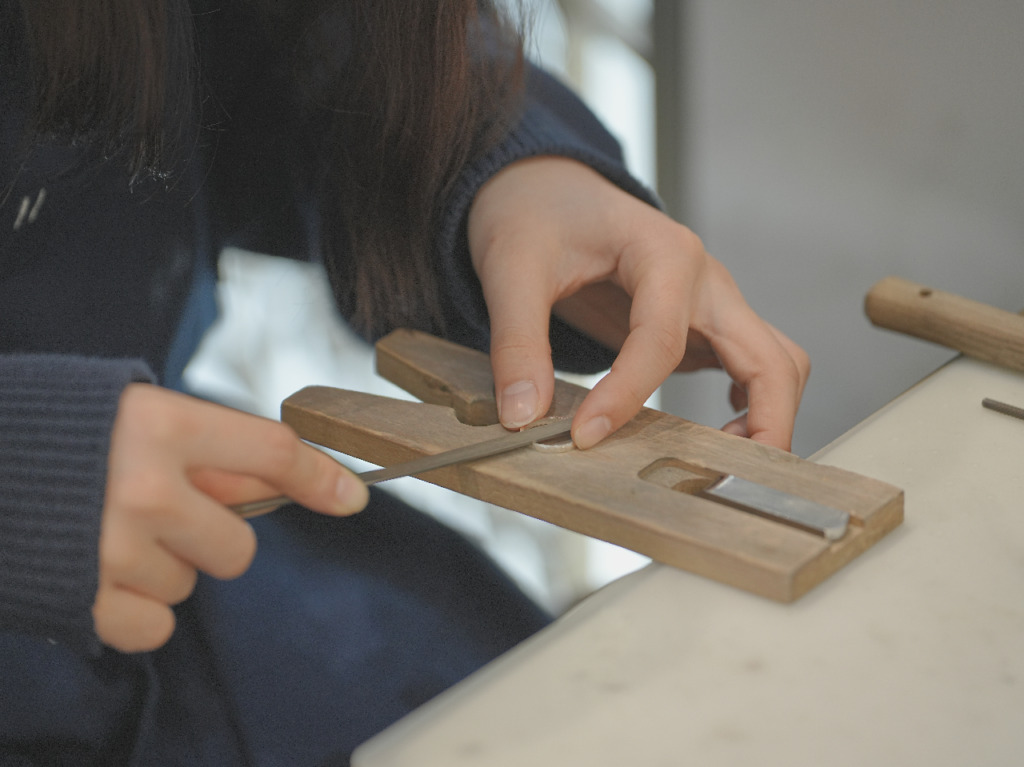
(56, 416)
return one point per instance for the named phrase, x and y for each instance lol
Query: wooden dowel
(975, 329)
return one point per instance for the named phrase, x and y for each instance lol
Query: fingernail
(592, 432)
(350, 495)
(518, 404)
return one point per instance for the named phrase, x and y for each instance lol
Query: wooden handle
(978, 330)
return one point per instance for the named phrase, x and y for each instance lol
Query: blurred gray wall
(830, 144)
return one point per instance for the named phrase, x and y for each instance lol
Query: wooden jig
(649, 487)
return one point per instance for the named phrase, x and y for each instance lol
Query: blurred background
(814, 147)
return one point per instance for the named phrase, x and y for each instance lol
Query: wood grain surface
(635, 489)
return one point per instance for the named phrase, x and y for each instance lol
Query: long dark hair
(426, 86)
(116, 72)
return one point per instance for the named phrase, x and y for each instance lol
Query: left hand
(550, 234)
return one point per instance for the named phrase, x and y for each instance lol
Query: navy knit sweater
(103, 283)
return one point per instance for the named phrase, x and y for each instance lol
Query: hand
(550, 234)
(174, 464)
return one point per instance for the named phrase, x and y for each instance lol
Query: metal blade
(780, 506)
(503, 444)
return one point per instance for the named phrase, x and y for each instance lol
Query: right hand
(175, 464)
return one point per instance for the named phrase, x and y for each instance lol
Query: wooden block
(636, 489)
(444, 373)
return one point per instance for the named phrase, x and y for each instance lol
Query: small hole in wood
(925, 292)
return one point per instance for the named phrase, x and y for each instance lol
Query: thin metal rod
(1002, 407)
(503, 444)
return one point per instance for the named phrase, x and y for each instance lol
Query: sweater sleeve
(56, 416)
(554, 121)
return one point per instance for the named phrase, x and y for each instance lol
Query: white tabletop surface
(911, 655)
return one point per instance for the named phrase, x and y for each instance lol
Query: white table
(911, 655)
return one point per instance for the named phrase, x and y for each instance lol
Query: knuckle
(514, 340)
(803, 363)
(721, 278)
(688, 242)
(797, 368)
(669, 342)
(281, 449)
(518, 354)
(629, 396)
(485, 239)
(151, 409)
(119, 559)
(680, 240)
(142, 489)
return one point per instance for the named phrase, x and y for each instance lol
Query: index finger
(272, 452)
(276, 455)
(656, 343)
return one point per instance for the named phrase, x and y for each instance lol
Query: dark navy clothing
(341, 625)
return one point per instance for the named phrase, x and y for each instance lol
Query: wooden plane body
(639, 488)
